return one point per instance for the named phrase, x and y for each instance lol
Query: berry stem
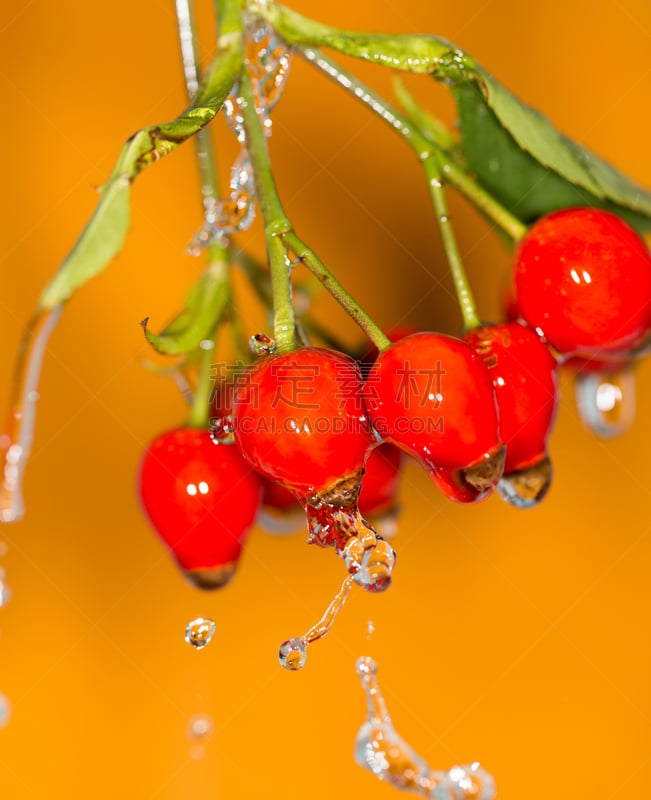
(185, 15)
(439, 201)
(275, 221)
(281, 238)
(452, 172)
(310, 259)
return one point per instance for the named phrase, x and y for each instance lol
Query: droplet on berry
(221, 430)
(292, 654)
(368, 558)
(525, 488)
(199, 632)
(606, 401)
(262, 345)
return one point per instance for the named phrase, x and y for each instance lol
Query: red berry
(276, 496)
(380, 482)
(583, 279)
(281, 513)
(202, 499)
(431, 395)
(524, 376)
(299, 419)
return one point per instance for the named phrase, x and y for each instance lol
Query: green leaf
(103, 237)
(412, 53)
(528, 165)
(204, 305)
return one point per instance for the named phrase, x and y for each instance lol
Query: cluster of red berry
(475, 411)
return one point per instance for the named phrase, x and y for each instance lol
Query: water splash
(268, 60)
(525, 488)
(199, 632)
(606, 401)
(19, 433)
(293, 652)
(368, 557)
(382, 751)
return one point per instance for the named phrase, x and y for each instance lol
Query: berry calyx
(583, 280)
(431, 395)
(202, 500)
(299, 419)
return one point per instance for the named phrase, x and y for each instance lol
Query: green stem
(461, 284)
(200, 410)
(454, 174)
(275, 221)
(428, 153)
(308, 257)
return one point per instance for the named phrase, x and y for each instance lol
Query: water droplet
(382, 751)
(221, 430)
(261, 344)
(5, 710)
(370, 630)
(292, 654)
(606, 402)
(199, 632)
(5, 594)
(17, 440)
(527, 487)
(200, 727)
(368, 558)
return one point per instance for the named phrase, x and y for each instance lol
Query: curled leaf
(104, 235)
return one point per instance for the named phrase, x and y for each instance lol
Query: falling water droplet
(5, 710)
(370, 630)
(200, 727)
(261, 344)
(5, 593)
(199, 632)
(525, 488)
(17, 440)
(368, 558)
(382, 751)
(292, 652)
(606, 401)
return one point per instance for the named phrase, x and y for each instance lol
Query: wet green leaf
(412, 53)
(204, 305)
(529, 166)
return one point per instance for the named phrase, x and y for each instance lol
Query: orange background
(519, 639)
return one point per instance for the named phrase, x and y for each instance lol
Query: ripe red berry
(431, 395)
(524, 375)
(583, 279)
(202, 499)
(299, 419)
